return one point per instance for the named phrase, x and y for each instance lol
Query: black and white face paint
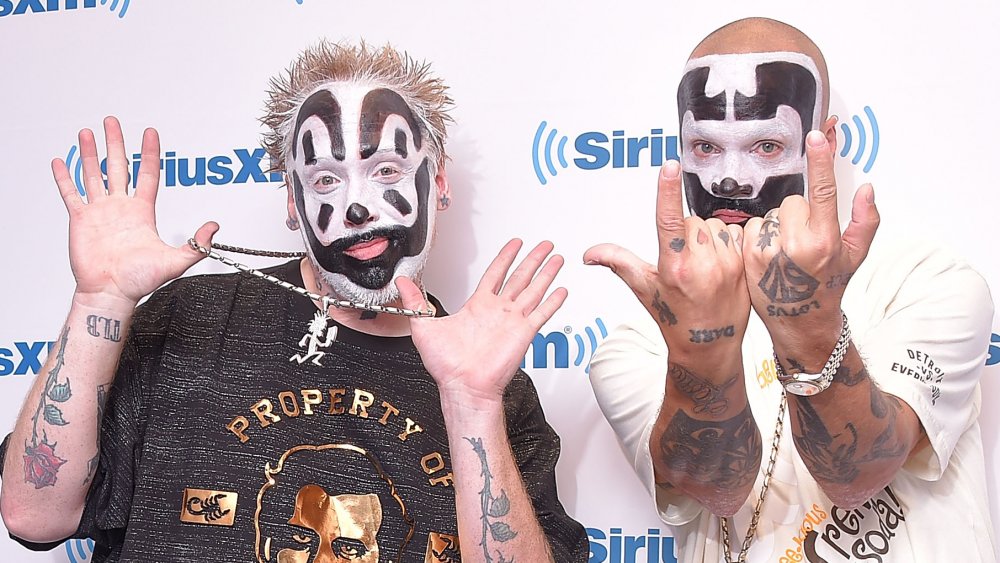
(744, 119)
(361, 174)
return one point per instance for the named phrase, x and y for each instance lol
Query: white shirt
(921, 320)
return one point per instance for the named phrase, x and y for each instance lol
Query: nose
(358, 215)
(730, 188)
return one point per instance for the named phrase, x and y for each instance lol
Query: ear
(293, 214)
(443, 189)
(830, 132)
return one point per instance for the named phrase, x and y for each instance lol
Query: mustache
(394, 233)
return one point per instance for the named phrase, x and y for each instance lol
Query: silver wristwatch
(807, 384)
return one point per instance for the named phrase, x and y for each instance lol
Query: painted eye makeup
(301, 539)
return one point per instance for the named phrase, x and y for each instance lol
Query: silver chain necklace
(320, 335)
(752, 529)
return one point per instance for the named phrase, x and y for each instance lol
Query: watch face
(804, 387)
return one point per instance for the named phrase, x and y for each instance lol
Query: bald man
(813, 401)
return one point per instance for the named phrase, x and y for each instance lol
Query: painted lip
(731, 216)
(368, 249)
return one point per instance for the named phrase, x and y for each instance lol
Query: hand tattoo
(665, 314)
(785, 282)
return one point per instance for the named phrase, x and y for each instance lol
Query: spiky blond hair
(385, 67)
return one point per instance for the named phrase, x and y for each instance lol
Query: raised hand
(798, 263)
(696, 292)
(115, 250)
(475, 352)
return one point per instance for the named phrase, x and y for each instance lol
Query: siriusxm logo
(862, 139)
(614, 547)
(24, 358)
(596, 150)
(20, 7)
(79, 551)
(238, 167)
(994, 357)
(558, 342)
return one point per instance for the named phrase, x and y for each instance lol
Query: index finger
(822, 185)
(670, 229)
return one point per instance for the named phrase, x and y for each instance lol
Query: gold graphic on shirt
(203, 506)
(767, 374)
(323, 527)
(442, 548)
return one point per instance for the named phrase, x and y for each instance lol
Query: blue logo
(558, 341)
(597, 150)
(8, 7)
(240, 166)
(614, 547)
(994, 357)
(862, 139)
(79, 551)
(24, 357)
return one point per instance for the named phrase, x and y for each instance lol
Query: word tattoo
(839, 280)
(41, 465)
(792, 311)
(494, 508)
(677, 244)
(103, 327)
(707, 397)
(706, 335)
(724, 453)
(724, 237)
(786, 282)
(665, 314)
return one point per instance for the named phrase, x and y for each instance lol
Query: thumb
(184, 257)
(626, 265)
(409, 294)
(860, 233)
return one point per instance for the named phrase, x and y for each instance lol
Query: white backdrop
(197, 70)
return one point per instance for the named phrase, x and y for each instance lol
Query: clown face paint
(361, 177)
(744, 119)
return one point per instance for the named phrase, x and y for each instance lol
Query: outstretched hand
(474, 353)
(696, 292)
(115, 250)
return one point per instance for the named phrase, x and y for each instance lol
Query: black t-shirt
(216, 446)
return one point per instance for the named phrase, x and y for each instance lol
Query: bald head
(763, 35)
(750, 93)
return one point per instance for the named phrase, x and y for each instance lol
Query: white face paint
(363, 189)
(744, 118)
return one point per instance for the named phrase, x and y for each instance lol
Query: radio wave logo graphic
(862, 135)
(582, 350)
(79, 551)
(994, 350)
(114, 6)
(540, 153)
(75, 166)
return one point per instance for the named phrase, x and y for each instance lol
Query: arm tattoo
(41, 465)
(102, 398)
(677, 244)
(845, 376)
(103, 327)
(723, 453)
(794, 366)
(706, 335)
(665, 314)
(785, 282)
(707, 398)
(494, 508)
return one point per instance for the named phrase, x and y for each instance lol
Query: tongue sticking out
(368, 249)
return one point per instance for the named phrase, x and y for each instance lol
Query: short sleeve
(628, 374)
(926, 342)
(536, 447)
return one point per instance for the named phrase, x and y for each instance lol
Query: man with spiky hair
(323, 410)
(795, 393)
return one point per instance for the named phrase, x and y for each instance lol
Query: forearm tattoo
(707, 397)
(723, 453)
(835, 457)
(103, 327)
(41, 464)
(494, 509)
(102, 398)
